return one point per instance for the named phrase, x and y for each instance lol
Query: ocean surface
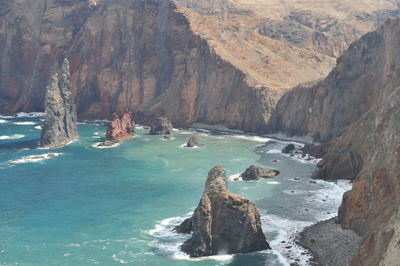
(118, 205)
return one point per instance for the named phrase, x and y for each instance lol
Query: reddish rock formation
(358, 106)
(155, 56)
(121, 127)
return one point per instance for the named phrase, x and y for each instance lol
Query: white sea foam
(251, 138)
(25, 123)
(184, 146)
(286, 230)
(235, 177)
(99, 133)
(2, 121)
(273, 182)
(35, 158)
(38, 127)
(115, 258)
(15, 136)
(33, 114)
(97, 146)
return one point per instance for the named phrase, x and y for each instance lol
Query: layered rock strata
(192, 61)
(356, 107)
(60, 125)
(223, 223)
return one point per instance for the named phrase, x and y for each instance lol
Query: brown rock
(357, 107)
(121, 127)
(223, 223)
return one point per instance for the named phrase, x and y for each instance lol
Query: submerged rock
(60, 125)
(161, 126)
(256, 173)
(223, 223)
(194, 142)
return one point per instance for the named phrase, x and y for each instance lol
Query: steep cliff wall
(357, 107)
(156, 56)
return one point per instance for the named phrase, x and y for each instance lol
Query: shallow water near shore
(81, 205)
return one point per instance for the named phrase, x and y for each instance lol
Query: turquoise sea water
(118, 205)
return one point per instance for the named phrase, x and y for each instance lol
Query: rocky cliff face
(223, 223)
(193, 61)
(60, 126)
(357, 107)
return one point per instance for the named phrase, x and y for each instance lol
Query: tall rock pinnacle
(60, 126)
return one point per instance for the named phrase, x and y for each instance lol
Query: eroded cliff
(356, 107)
(193, 61)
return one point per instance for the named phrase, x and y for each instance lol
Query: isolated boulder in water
(60, 125)
(223, 223)
(256, 173)
(121, 127)
(194, 142)
(289, 148)
(161, 126)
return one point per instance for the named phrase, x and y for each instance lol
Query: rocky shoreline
(321, 238)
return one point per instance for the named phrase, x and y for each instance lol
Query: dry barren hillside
(281, 43)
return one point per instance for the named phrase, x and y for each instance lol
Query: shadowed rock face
(223, 223)
(356, 107)
(161, 126)
(60, 126)
(121, 127)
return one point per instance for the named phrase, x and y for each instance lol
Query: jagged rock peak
(223, 223)
(60, 126)
(121, 127)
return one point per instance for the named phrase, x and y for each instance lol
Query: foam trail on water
(26, 123)
(33, 114)
(15, 136)
(251, 138)
(2, 121)
(35, 158)
(96, 145)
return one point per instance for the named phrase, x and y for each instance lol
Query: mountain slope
(357, 107)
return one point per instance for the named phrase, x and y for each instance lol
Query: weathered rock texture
(161, 126)
(60, 126)
(121, 127)
(223, 223)
(357, 106)
(193, 61)
(256, 173)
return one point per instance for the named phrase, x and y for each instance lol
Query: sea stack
(194, 142)
(223, 223)
(161, 126)
(60, 125)
(122, 127)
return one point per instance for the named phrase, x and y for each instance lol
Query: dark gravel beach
(329, 244)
